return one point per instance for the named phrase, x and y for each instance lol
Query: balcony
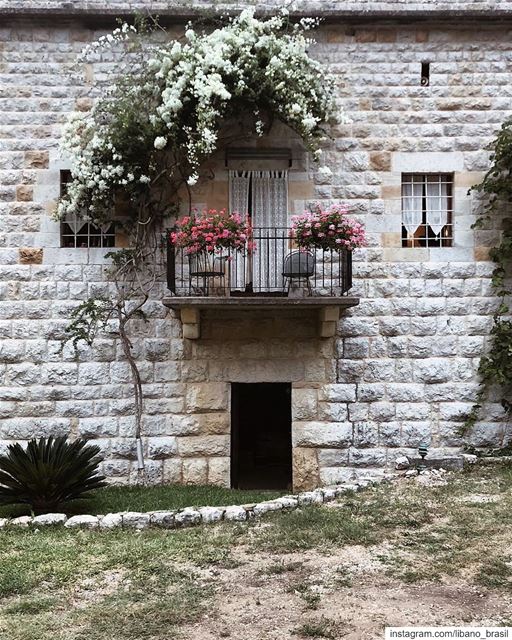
(275, 275)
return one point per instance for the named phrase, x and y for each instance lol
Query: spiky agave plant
(49, 473)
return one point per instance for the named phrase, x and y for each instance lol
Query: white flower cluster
(119, 35)
(261, 66)
(248, 58)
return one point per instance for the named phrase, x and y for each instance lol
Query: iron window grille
(427, 210)
(75, 232)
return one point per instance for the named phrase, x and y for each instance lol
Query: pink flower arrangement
(212, 232)
(327, 229)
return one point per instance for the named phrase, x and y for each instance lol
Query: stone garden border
(188, 516)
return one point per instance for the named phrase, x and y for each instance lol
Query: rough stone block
(195, 471)
(194, 446)
(367, 457)
(322, 434)
(382, 411)
(29, 255)
(37, 159)
(99, 427)
(163, 447)
(136, 520)
(332, 457)
(431, 370)
(266, 507)
(187, 517)
(488, 435)
(390, 434)
(91, 373)
(211, 514)
(207, 396)
(24, 193)
(82, 522)
(49, 519)
(305, 469)
(304, 404)
(172, 471)
(162, 519)
(124, 448)
(380, 161)
(414, 433)
(235, 514)
(288, 502)
(219, 469)
(336, 475)
(21, 521)
(310, 497)
(111, 521)
(338, 392)
(455, 411)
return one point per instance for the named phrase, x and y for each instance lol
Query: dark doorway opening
(261, 436)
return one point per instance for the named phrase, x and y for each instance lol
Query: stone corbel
(328, 321)
(191, 321)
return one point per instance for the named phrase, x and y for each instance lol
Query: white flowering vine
(171, 113)
(149, 132)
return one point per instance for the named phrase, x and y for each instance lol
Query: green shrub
(49, 473)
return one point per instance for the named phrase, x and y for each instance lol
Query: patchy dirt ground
(343, 595)
(420, 551)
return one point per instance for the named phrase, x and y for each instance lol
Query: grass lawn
(391, 555)
(117, 498)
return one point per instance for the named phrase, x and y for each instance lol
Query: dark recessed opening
(425, 74)
(261, 443)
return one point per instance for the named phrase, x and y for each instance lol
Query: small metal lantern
(423, 451)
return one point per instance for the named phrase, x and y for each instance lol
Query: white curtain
(270, 221)
(269, 198)
(239, 182)
(75, 223)
(412, 201)
(239, 192)
(437, 203)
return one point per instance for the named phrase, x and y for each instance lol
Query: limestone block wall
(403, 366)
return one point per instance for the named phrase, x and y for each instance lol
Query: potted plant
(210, 240)
(328, 229)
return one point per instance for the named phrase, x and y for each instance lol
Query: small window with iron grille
(427, 209)
(75, 231)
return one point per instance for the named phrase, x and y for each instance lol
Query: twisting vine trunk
(137, 390)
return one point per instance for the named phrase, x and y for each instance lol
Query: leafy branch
(495, 367)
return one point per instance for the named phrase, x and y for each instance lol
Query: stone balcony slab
(327, 308)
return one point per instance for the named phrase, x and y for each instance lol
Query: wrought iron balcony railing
(276, 267)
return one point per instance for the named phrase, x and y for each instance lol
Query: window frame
(90, 236)
(424, 236)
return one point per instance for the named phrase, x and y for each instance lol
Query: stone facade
(402, 367)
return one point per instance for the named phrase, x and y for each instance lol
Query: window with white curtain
(427, 209)
(76, 232)
(263, 196)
